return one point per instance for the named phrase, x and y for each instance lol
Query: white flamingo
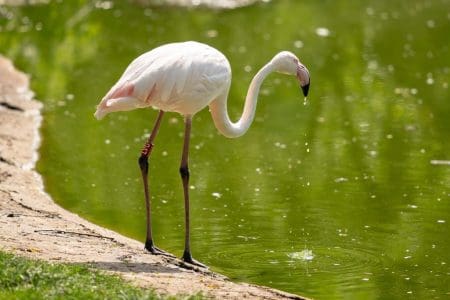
(185, 78)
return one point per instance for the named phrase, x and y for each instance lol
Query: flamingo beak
(305, 89)
(303, 78)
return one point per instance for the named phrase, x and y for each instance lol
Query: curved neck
(219, 111)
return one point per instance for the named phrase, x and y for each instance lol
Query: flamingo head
(287, 63)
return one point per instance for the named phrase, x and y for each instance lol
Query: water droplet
(104, 5)
(107, 142)
(372, 65)
(212, 33)
(242, 49)
(305, 101)
(440, 162)
(340, 179)
(280, 145)
(216, 195)
(322, 31)
(274, 262)
(430, 23)
(298, 44)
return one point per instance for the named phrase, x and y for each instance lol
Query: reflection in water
(228, 4)
(356, 176)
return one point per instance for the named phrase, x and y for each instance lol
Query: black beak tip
(305, 89)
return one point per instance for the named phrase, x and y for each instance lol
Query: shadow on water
(346, 179)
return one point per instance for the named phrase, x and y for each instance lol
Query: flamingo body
(178, 77)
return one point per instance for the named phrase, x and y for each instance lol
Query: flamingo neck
(219, 111)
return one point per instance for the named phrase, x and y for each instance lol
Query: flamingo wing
(181, 77)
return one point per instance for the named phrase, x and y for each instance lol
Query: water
(345, 197)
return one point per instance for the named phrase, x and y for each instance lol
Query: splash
(305, 255)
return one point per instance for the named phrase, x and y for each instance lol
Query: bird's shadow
(134, 267)
(170, 265)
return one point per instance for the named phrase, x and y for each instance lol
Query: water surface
(344, 197)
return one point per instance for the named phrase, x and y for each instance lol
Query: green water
(340, 198)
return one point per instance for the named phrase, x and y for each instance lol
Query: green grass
(22, 278)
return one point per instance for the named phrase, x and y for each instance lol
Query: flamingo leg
(143, 164)
(184, 172)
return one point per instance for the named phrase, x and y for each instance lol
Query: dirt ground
(32, 225)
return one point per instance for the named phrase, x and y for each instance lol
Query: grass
(22, 278)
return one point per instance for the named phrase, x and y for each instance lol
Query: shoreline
(34, 226)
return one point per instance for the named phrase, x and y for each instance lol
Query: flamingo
(186, 77)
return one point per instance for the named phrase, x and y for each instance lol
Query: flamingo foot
(150, 247)
(187, 257)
